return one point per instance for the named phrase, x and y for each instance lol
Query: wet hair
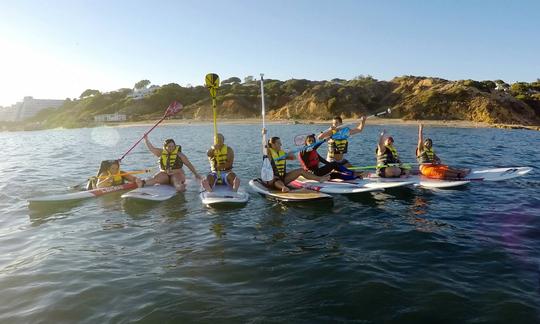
(308, 137)
(273, 140)
(428, 140)
(167, 141)
(338, 118)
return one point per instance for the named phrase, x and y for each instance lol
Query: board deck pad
(295, 195)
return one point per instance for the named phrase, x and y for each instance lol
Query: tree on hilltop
(89, 92)
(232, 80)
(142, 84)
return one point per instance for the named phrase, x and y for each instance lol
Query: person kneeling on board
(221, 158)
(109, 175)
(309, 160)
(171, 160)
(388, 163)
(430, 163)
(337, 148)
(279, 165)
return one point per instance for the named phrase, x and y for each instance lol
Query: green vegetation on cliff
(410, 97)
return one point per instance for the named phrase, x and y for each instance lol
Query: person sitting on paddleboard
(338, 147)
(386, 155)
(221, 158)
(281, 176)
(109, 175)
(430, 164)
(309, 160)
(171, 160)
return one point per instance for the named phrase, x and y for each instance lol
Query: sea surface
(410, 255)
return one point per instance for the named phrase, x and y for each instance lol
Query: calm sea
(408, 255)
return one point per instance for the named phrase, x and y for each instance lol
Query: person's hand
(264, 131)
(383, 132)
(363, 118)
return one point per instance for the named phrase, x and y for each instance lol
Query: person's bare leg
(161, 178)
(278, 184)
(233, 179)
(178, 180)
(294, 174)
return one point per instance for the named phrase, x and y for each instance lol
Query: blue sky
(57, 49)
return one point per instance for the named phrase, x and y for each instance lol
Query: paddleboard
(84, 194)
(152, 193)
(498, 174)
(295, 195)
(223, 195)
(334, 188)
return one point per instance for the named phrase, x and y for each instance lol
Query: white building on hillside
(30, 106)
(141, 93)
(116, 117)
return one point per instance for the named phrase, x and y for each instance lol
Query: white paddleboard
(84, 194)
(295, 195)
(498, 174)
(152, 193)
(223, 195)
(331, 187)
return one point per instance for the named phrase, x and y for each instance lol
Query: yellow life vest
(280, 167)
(390, 155)
(337, 146)
(427, 156)
(170, 161)
(220, 157)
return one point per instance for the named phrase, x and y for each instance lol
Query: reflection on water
(460, 252)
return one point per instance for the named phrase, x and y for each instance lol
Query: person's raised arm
(420, 145)
(327, 133)
(151, 148)
(380, 146)
(360, 126)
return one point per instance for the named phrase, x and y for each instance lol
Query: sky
(58, 49)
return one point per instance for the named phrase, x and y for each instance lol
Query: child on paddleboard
(171, 160)
(279, 166)
(430, 163)
(221, 158)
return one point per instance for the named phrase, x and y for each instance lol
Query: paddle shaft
(263, 113)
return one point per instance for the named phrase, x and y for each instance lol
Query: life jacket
(390, 155)
(220, 157)
(280, 167)
(117, 179)
(427, 156)
(309, 160)
(337, 146)
(170, 161)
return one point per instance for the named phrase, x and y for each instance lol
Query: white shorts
(223, 176)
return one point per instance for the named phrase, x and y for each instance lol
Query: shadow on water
(43, 212)
(139, 208)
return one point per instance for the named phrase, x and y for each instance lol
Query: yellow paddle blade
(212, 81)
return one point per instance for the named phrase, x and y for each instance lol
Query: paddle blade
(299, 140)
(211, 81)
(173, 109)
(267, 173)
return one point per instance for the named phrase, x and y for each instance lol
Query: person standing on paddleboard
(171, 160)
(109, 175)
(309, 160)
(388, 163)
(430, 163)
(338, 147)
(221, 158)
(278, 159)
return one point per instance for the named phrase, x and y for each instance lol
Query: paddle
(173, 108)
(103, 177)
(212, 83)
(403, 165)
(267, 173)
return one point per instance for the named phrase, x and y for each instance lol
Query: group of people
(171, 160)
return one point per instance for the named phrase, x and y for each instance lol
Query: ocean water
(407, 255)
